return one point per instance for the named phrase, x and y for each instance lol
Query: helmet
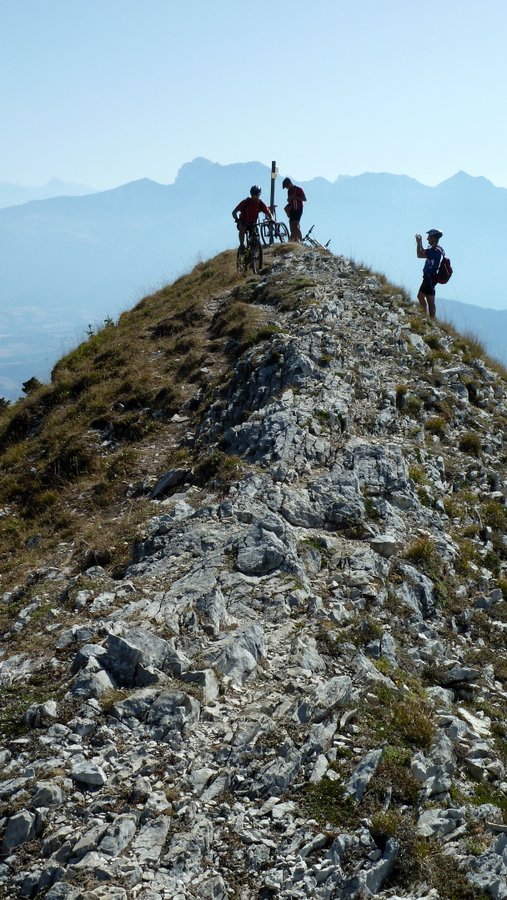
(434, 232)
(286, 182)
(255, 190)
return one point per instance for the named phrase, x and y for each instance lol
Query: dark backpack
(444, 271)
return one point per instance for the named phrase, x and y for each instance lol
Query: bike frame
(308, 239)
(276, 230)
(252, 256)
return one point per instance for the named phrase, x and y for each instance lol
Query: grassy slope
(107, 420)
(69, 449)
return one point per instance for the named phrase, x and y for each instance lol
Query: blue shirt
(434, 257)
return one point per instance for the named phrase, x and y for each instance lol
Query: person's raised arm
(421, 252)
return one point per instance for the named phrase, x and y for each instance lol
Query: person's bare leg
(431, 305)
(422, 302)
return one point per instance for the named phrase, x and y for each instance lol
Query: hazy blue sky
(108, 91)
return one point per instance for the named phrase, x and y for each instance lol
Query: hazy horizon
(162, 86)
(56, 180)
(85, 258)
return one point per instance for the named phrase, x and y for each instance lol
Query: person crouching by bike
(294, 208)
(249, 210)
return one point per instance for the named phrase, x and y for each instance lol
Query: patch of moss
(324, 801)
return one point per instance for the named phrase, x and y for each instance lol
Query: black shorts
(427, 287)
(295, 215)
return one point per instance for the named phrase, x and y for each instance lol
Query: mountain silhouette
(80, 260)
(15, 194)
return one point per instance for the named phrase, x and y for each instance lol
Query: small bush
(371, 509)
(467, 556)
(401, 394)
(413, 405)
(418, 475)
(421, 551)
(418, 326)
(494, 514)
(220, 467)
(470, 443)
(324, 801)
(449, 880)
(385, 825)
(436, 425)
(452, 507)
(413, 724)
(393, 775)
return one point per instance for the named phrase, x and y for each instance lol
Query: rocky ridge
(297, 690)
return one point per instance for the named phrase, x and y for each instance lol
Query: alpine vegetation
(253, 600)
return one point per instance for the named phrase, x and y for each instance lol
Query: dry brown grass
(473, 349)
(70, 449)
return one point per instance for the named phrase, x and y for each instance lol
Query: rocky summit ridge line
(297, 688)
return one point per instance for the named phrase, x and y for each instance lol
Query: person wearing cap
(294, 208)
(433, 255)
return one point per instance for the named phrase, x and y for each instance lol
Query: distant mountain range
(489, 325)
(72, 260)
(15, 194)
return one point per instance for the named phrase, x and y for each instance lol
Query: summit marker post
(274, 173)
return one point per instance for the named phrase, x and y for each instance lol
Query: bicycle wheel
(241, 262)
(265, 230)
(282, 232)
(256, 256)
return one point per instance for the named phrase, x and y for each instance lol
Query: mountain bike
(252, 256)
(313, 242)
(273, 231)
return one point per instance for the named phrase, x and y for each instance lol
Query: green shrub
(401, 396)
(324, 801)
(494, 514)
(412, 722)
(385, 825)
(436, 425)
(418, 325)
(393, 775)
(470, 443)
(467, 556)
(422, 551)
(418, 475)
(221, 467)
(413, 405)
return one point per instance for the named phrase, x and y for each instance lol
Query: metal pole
(274, 173)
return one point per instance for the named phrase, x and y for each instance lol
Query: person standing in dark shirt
(294, 208)
(433, 255)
